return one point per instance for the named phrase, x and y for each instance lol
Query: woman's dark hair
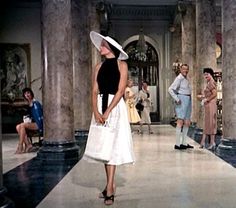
(27, 89)
(146, 82)
(114, 49)
(185, 65)
(209, 70)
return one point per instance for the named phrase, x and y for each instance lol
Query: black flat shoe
(188, 146)
(181, 147)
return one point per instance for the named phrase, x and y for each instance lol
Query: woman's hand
(105, 116)
(204, 101)
(98, 118)
(200, 97)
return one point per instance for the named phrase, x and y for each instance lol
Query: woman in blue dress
(33, 122)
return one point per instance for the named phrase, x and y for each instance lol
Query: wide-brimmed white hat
(97, 38)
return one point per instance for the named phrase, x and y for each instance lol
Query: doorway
(144, 67)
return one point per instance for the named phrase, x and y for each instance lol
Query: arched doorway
(144, 67)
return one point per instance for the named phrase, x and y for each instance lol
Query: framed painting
(14, 70)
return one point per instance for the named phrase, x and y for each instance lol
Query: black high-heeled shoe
(212, 147)
(103, 194)
(109, 200)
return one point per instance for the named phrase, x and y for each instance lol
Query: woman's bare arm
(123, 68)
(95, 91)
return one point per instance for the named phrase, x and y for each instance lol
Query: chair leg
(31, 141)
(40, 142)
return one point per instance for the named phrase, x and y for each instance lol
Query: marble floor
(160, 178)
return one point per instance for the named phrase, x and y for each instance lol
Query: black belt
(104, 101)
(184, 94)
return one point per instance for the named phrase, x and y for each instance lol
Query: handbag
(100, 142)
(139, 106)
(27, 119)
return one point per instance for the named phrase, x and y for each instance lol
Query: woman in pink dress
(208, 100)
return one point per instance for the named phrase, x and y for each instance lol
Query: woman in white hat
(109, 83)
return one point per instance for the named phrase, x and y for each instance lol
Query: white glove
(203, 101)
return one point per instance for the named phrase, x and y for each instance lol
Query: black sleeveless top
(108, 79)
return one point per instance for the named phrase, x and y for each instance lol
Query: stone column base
(58, 151)
(4, 201)
(81, 137)
(197, 135)
(227, 149)
(191, 129)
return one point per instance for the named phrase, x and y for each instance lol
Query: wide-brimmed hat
(97, 38)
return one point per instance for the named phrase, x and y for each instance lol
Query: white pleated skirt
(122, 150)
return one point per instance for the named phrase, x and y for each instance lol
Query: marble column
(205, 45)
(176, 49)
(188, 26)
(227, 148)
(176, 55)
(82, 71)
(94, 25)
(59, 142)
(85, 56)
(4, 201)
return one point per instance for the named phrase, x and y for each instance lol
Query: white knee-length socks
(178, 136)
(185, 132)
(181, 135)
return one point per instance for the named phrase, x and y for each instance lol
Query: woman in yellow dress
(133, 115)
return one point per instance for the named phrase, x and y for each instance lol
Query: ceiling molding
(130, 12)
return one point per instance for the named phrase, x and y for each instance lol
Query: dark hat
(209, 70)
(27, 89)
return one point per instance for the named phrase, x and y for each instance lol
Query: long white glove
(203, 101)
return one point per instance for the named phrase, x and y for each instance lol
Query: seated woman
(36, 114)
